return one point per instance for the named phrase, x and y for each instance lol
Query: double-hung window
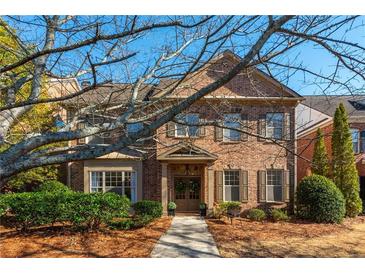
(274, 125)
(231, 121)
(190, 127)
(121, 182)
(355, 140)
(231, 185)
(101, 138)
(274, 185)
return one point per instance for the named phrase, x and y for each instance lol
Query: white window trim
(282, 183)
(225, 129)
(282, 127)
(186, 128)
(133, 174)
(224, 184)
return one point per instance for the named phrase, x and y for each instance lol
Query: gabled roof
(186, 151)
(354, 104)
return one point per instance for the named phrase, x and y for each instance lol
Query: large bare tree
(142, 52)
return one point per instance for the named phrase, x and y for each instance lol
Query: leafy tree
(38, 119)
(345, 174)
(320, 164)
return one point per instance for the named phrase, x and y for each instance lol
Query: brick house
(317, 112)
(190, 164)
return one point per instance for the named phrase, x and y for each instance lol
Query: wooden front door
(187, 193)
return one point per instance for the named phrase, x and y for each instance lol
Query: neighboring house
(318, 112)
(194, 164)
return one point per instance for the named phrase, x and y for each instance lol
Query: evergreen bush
(319, 200)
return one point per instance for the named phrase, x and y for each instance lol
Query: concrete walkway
(188, 237)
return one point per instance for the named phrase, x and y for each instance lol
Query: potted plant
(203, 209)
(171, 209)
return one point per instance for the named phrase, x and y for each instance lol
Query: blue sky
(313, 57)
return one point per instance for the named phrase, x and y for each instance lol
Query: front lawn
(289, 239)
(58, 241)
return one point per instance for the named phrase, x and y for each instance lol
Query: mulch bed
(245, 238)
(64, 242)
(242, 229)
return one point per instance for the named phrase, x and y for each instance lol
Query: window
(231, 185)
(362, 141)
(188, 129)
(274, 125)
(274, 183)
(231, 121)
(355, 140)
(101, 138)
(133, 128)
(121, 182)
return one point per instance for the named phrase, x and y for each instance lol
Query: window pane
(192, 119)
(355, 139)
(231, 193)
(274, 185)
(96, 182)
(231, 121)
(274, 125)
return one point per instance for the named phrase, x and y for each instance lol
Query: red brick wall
(305, 148)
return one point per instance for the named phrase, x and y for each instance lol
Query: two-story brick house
(201, 161)
(317, 112)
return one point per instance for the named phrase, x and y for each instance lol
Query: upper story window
(133, 128)
(231, 121)
(274, 125)
(190, 128)
(231, 185)
(100, 138)
(274, 185)
(355, 140)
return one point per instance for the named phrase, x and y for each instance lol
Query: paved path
(188, 237)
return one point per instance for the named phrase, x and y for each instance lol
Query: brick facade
(250, 93)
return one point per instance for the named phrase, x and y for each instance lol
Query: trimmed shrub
(319, 200)
(226, 207)
(4, 204)
(146, 207)
(125, 224)
(279, 215)
(256, 214)
(40, 208)
(142, 220)
(95, 208)
(53, 186)
(33, 208)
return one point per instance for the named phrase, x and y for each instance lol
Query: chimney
(85, 84)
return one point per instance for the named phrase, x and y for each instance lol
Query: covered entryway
(187, 193)
(186, 177)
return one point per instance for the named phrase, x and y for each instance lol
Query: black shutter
(261, 127)
(261, 175)
(244, 186)
(219, 185)
(244, 127)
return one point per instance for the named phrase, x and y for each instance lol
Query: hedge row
(31, 209)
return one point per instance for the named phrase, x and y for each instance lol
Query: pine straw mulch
(64, 242)
(296, 238)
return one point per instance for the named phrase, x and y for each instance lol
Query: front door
(187, 193)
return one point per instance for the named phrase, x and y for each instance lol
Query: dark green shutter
(244, 127)
(286, 186)
(261, 127)
(219, 185)
(244, 186)
(81, 141)
(170, 129)
(261, 175)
